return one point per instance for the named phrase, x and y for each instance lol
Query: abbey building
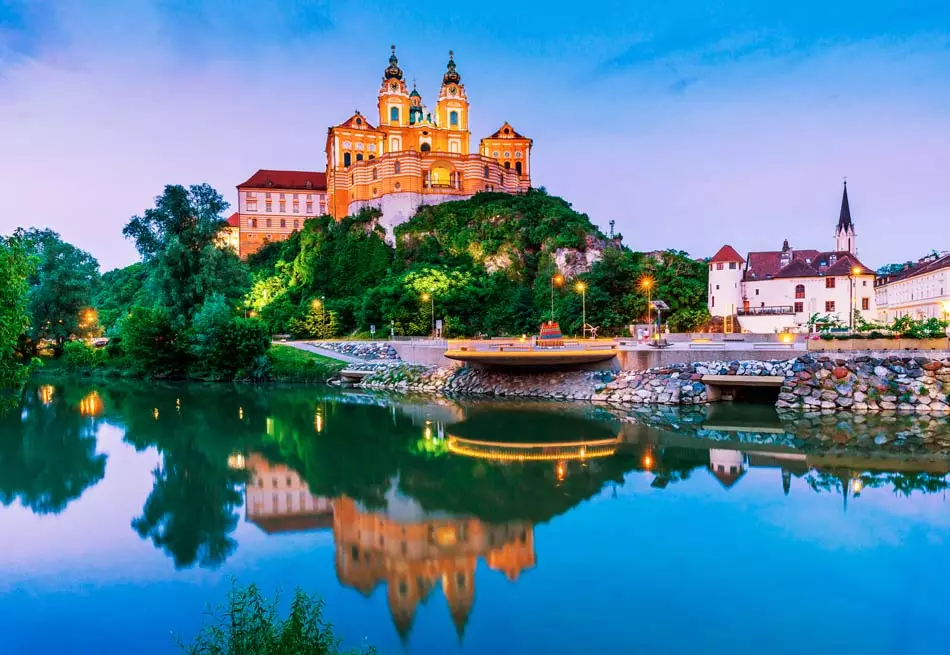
(406, 156)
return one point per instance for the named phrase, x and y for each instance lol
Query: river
(431, 525)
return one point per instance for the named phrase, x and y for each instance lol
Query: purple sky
(690, 125)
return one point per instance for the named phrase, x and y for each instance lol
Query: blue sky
(690, 123)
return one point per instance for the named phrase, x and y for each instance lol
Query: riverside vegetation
(191, 309)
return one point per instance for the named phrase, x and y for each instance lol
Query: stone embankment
(360, 349)
(907, 384)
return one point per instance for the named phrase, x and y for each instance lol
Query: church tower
(451, 111)
(845, 236)
(394, 101)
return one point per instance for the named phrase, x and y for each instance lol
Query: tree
(119, 291)
(152, 344)
(176, 239)
(222, 344)
(15, 269)
(61, 287)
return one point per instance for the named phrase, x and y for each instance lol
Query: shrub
(223, 345)
(249, 624)
(80, 356)
(152, 345)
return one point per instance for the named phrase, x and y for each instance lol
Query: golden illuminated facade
(414, 156)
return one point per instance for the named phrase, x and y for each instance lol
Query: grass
(289, 364)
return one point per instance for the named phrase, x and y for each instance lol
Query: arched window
(799, 290)
(394, 114)
(453, 118)
(359, 156)
(396, 168)
(374, 172)
(425, 147)
(372, 156)
(518, 167)
(508, 165)
(486, 172)
(346, 159)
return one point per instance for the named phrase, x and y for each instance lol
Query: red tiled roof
(234, 220)
(766, 264)
(833, 264)
(920, 268)
(302, 180)
(727, 254)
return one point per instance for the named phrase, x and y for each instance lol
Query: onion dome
(393, 72)
(415, 94)
(451, 75)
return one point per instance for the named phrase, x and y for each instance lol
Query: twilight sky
(690, 123)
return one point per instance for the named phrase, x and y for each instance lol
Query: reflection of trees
(190, 512)
(48, 454)
(901, 483)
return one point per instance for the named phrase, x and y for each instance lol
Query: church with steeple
(409, 154)
(780, 290)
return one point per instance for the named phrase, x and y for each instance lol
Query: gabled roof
(920, 268)
(824, 264)
(300, 180)
(510, 134)
(727, 254)
(234, 220)
(766, 264)
(727, 478)
(357, 122)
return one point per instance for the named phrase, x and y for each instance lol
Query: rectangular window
(865, 304)
(296, 207)
(295, 196)
(283, 206)
(732, 266)
(267, 195)
(396, 167)
(719, 266)
(829, 283)
(829, 305)
(799, 307)
(252, 206)
(267, 222)
(323, 208)
(250, 194)
(283, 222)
(296, 224)
(309, 207)
(756, 292)
(252, 222)
(713, 301)
(268, 207)
(281, 196)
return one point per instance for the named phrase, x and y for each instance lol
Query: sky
(691, 123)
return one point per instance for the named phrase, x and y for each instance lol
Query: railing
(776, 310)
(523, 452)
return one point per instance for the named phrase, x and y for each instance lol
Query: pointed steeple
(844, 218)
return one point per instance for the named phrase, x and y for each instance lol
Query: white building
(921, 290)
(777, 290)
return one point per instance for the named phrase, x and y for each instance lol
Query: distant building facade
(274, 204)
(776, 290)
(921, 290)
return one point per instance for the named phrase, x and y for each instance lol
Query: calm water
(475, 527)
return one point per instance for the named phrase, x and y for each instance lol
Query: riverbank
(822, 383)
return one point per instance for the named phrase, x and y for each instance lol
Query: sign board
(372, 329)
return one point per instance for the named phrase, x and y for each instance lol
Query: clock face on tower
(452, 90)
(394, 86)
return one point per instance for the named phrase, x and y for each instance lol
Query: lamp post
(580, 286)
(855, 270)
(557, 279)
(647, 283)
(431, 299)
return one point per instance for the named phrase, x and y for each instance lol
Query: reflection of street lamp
(647, 283)
(557, 279)
(580, 286)
(855, 270)
(431, 299)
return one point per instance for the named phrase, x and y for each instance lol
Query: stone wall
(823, 384)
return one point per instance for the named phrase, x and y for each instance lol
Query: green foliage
(120, 290)
(224, 346)
(153, 345)
(61, 286)
(288, 364)
(248, 624)
(176, 239)
(16, 267)
(319, 323)
(926, 328)
(79, 356)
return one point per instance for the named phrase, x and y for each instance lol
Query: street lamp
(557, 279)
(580, 286)
(431, 299)
(647, 283)
(855, 270)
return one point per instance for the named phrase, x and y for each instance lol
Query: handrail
(765, 311)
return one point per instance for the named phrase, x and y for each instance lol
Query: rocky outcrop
(812, 384)
(572, 262)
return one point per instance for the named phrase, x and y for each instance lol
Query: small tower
(451, 110)
(511, 150)
(394, 98)
(416, 111)
(725, 282)
(845, 237)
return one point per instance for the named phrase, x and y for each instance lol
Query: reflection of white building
(727, 465)
(921, 290)
(278, 500)
(775, 290)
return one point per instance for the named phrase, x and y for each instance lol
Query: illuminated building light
(155, 413)
(46, 393)
(236, 461)
(532, 452)
(647, 461)
(91, 404)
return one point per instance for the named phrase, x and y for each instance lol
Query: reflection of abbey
(406, 156)
(409, 550)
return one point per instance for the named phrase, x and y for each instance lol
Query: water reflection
(415, 492)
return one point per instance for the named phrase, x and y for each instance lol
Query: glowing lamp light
(91, 404)
(558, 279)
(856, 270)
(316, 303)
(46, 393)
(857, 485)
(155, 413)
(237, 462)
(581, 287)
(646, 282)
(785, 337)
(426, 296)
(524, 337)
(647, 461)
(560, 471)
(241, 413)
